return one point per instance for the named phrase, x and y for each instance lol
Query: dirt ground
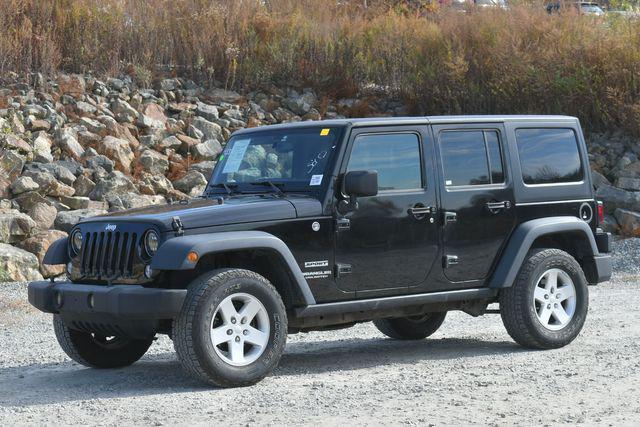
(469, 372)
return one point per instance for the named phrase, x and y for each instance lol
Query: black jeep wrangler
(321, 225)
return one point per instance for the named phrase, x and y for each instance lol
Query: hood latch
(177, 226)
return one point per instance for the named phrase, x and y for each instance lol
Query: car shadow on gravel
(354, 354)
(47, 383)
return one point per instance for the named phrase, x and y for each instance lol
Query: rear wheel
(232, 328)
(412, 327)
(98, 351)
(547, 305)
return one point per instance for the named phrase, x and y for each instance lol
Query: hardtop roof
(424, 120)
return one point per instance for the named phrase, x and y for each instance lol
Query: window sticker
(236, 156)
(315, 180)
(324, 132)
(448, 182)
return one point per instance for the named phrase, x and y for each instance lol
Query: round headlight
(76, 242)
(151, 242)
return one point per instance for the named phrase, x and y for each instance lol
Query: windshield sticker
(324, 132)
(236, 156)
(315, 180)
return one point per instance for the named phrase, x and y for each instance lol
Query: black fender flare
(57, 253)
(172, 254)
(522, 239)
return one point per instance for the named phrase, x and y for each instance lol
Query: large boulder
(69, 144)
(629, 222)
(65, 220)
(39, 244)
(123, 111)
(300, 104)
(11, 164)
(205, 168)
(12, 142)
(207, 150)
(628, 183)
(15, 226)
(209, 130)
(18, 265)
(193, 183)
(23, 184)
(72, 84)
(115, 183)
(154, 162)
(42, 148)
(614, 198)
(154, 184)
(43, 214)
(48, 183)
(83, 186)
(209, 112)
(119, 151)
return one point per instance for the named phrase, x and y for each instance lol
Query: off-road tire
(191, 334)
(411, 328)
(517, 309)
(95, 351)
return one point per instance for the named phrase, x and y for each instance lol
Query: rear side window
(471, 158)
(549, 156)
(396, 158)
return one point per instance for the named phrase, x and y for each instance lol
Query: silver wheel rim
(240, 329)
(554, 299)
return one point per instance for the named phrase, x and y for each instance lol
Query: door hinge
(342, 269)
(343, 224)
(450, 260)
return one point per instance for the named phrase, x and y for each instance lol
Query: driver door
(384, 246)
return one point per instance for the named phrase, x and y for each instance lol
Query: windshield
(292, 159)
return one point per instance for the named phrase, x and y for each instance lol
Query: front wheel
(547, 305)
(412, 327)
(98, 351)
(232, 328)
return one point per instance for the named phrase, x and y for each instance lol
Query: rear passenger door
(476, 197)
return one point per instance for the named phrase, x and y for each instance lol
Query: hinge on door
(450, 260)
(343, 224)
(342, 269)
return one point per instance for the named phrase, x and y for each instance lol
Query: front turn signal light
(192, 257)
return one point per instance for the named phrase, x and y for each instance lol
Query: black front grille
(107, 255)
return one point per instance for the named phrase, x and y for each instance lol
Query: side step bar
(394, 302)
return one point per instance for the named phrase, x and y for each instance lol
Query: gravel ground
(469, 372)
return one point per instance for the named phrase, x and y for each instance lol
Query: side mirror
(357, 184)
(360, 183)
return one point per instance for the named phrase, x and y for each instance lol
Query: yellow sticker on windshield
(324, 132)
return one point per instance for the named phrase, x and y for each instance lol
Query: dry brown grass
(439, 61)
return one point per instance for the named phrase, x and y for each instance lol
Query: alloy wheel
(240, 329)
(554, 299)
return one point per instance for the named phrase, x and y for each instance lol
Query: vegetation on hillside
(439, 60)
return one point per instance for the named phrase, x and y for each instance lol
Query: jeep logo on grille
(110, 227)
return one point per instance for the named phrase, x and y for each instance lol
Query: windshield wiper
(229, 188)
(275, 186)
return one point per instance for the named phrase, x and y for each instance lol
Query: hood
(197, 213)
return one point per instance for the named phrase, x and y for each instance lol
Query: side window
(549, 155)
(471, 158)
(396, 157)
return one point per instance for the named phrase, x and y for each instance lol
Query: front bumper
(110, 310)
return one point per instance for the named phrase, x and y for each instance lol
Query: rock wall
(75, 146)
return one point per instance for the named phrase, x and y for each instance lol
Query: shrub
(440, 61)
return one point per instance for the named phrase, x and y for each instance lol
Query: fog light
(69, 268)
(148, 272)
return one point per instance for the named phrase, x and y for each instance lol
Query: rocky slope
(75, 146)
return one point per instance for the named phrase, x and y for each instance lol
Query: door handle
(419, 211)
(495, 207)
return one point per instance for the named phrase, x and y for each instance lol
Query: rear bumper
(110, 310)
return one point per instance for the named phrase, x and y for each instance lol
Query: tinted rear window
(471, 157)
(549, 156)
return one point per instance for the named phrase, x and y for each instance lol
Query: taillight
(600, 213)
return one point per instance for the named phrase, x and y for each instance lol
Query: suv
(321, 225)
